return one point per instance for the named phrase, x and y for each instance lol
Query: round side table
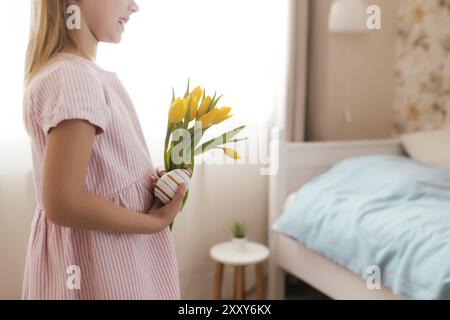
(228, 254)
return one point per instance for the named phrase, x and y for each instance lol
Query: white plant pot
(240, 244)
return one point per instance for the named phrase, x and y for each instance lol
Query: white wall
(219, 196)
(354, 73)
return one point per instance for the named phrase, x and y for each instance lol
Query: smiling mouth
(123, 21)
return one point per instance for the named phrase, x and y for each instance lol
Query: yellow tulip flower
(197, 92)
(204, 106)
(177, 111)
(222, 115)
(231, 153)
(194, 107)
(208, 119)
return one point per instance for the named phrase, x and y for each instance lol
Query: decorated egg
(167, 185)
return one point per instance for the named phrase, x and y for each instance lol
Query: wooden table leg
(239, 282)
(243, 282)
(218, 275)
(260, 293)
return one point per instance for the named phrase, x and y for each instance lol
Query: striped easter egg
(167, 185)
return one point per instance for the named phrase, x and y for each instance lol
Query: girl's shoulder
(67, 88)
(61, 67)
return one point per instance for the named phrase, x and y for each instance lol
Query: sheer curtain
(16, 187)
(297, 84)
(237, 48)
(232, 47)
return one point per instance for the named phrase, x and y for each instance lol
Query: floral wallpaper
(423, 66)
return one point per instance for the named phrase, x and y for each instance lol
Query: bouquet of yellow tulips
(184, 135)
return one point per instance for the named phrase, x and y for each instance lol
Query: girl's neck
(83, 43)
(80, 52)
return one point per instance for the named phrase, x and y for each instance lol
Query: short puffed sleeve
(71, 91)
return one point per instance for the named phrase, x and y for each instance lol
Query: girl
(97, 232)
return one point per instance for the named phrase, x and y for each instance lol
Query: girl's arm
(67, 155)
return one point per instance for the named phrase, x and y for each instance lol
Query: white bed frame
(299, 163)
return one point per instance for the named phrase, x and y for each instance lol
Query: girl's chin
(114, 38)
(118, 39)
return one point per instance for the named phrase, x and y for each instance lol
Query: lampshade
(348, 16)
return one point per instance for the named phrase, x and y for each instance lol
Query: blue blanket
(384, 211)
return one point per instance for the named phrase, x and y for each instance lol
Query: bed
(338, 275)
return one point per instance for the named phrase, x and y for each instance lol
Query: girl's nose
(133, 7)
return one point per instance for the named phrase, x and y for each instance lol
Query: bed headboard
(298, 163)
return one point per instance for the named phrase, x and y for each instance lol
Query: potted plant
(239, 236)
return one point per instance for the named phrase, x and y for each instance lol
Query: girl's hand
(166, 214)
(160, 172)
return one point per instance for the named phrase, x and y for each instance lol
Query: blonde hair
(48, 36)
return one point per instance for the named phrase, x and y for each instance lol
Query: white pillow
(432, 147)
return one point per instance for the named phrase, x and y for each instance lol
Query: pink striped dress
(65, 263)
